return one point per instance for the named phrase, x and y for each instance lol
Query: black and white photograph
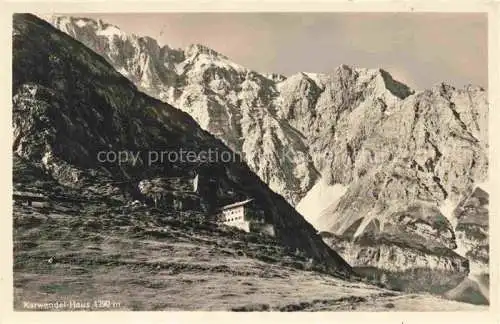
(250, 161)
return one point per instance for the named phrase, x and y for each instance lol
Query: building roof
(237, 204)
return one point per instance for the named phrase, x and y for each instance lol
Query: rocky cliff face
(407, 263)
(413, 156)
(393, 253)
(357, 152)
(472, 230)
(69, 105)
(427, 156)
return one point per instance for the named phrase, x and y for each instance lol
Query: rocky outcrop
(396, 254)
(469, 291)
(472, 230)
(405, 263)
(70, 105)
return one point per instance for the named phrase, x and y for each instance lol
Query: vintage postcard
(250, 160)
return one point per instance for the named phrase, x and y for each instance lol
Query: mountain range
(383, 171)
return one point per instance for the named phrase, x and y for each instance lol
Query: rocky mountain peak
(197, 49)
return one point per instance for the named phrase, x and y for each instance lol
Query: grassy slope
(177, 266)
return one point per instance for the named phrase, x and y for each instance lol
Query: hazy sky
(420, 49)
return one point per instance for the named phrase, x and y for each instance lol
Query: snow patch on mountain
(321, 194)
(446, 208)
